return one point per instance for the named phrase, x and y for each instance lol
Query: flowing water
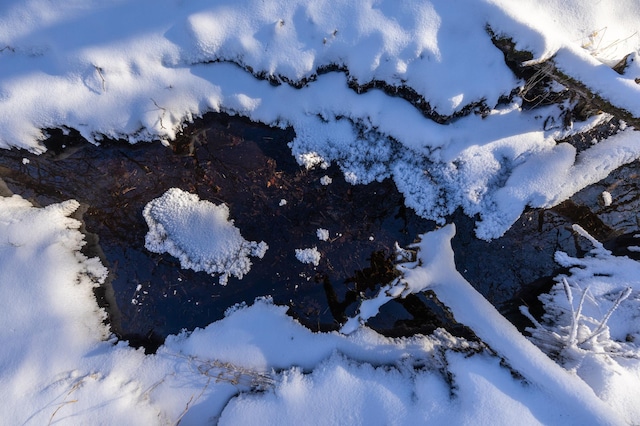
(249, 167)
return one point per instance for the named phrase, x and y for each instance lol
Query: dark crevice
(403, 91)
(538, 75)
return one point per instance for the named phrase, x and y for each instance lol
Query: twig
(188, 405)
(575, 316)
(164, 111)
(62, 404)
(525, 311)
(75, 386)
(100, 70)
(621, 297)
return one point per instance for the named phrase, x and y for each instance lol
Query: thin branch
(623, 295)
(62, 404)
(100, 73)
(164, 111)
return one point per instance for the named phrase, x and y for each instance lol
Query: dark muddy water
(249, 167)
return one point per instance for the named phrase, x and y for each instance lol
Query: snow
(169, 62)
(309, 255)
(340, 391)
(591, 322)
(326, 180)
(200, 234)
(146, 68)
(52, 352)
(258, 365)
(322, 234)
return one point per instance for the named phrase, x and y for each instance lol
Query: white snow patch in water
(200, 234)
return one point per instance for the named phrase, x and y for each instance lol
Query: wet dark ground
(249, 167)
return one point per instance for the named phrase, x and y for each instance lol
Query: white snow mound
(200, 234)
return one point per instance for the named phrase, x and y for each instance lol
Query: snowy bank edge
(163, 115)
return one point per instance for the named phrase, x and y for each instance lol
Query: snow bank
(51, 340)
(341, 391)
(257, 365)
(200, 234)
(146, 67)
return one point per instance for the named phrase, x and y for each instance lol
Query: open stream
(249, 167)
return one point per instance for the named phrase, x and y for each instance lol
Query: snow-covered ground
(259, 366)
(457, 137)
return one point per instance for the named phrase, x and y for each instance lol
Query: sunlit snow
(200, 234)
(197, 58)
(414, 91)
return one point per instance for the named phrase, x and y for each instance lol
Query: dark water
(249, 167)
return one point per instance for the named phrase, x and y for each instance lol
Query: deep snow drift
(416, 92)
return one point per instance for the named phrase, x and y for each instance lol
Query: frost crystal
(308, 255)
(323, 234)
(325, 180)
(200, 234)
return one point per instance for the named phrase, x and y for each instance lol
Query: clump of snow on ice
(200, 234)
(308, 255)
(323, 234)
(606, 198)
(325, 180)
